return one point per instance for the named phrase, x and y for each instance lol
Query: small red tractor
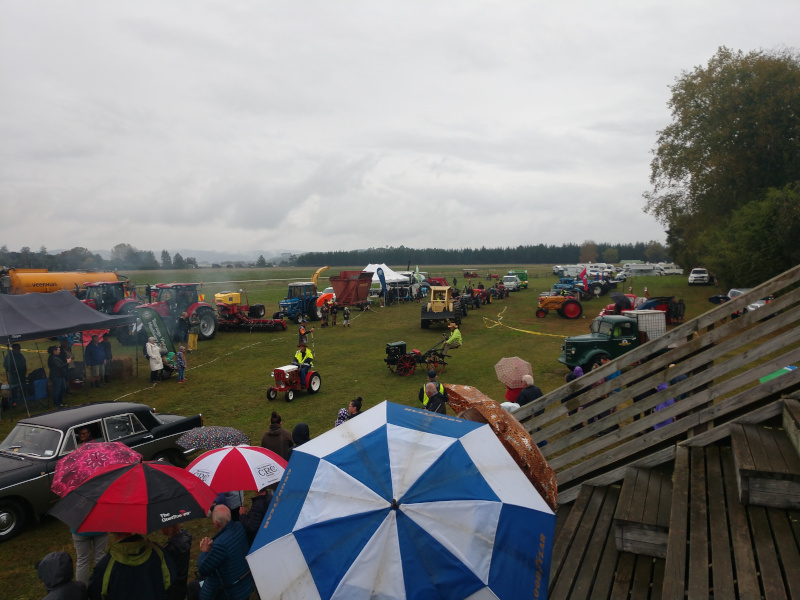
(470, 273)
(235, 315)
(566, 306)
(287, 381)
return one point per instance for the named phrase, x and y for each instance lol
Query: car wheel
(208, 323)
(272, 393)
(314, 383)
(12, 519)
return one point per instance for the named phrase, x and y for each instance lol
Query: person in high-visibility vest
(303, 359)
(423, 395)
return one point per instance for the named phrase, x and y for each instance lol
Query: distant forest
(588, 251)
(125, 256)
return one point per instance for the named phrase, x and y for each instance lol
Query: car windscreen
(30, 440)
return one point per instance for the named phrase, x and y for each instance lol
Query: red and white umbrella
(238, 468)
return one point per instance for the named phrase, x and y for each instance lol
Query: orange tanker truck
(24, 281)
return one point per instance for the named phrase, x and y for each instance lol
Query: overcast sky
(334, 125)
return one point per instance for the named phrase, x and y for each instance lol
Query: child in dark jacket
(180, 362)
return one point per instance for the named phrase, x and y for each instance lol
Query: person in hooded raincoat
(55, 571)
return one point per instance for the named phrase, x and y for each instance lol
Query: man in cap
(303, 331)
(303, 359)
(454, 341)
(424, 397)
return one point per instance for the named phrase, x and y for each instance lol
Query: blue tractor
(300, 301)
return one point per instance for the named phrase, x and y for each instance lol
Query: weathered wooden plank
(561, 517)
(741, 449)
(722, 573)
(626, 496)
(788, 552)
(791, 421)
(602, 531)
(605, 572)
(722, 430)
(777, 493)
(789, 455)
(766, 454)
(564, 540)
(658, 579)
(675, 563)
(732, 404)
(565, 577)
(568, 494)
(744, 560)
(642, 575)
(698, 579)
(624, 576)
(652, 499)
(665, 503)
(766, 553)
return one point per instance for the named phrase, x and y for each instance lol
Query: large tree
(734, 135)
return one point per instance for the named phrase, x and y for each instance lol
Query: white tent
(389, 275)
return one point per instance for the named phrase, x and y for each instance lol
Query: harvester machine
(352, 288)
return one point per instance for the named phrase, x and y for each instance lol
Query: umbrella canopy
(212, 437)
(510, 371)
(79, 465)
(621, 300)
(238, 468)
(400, 502)
(323, 298)
(471, 403)
(138, 498)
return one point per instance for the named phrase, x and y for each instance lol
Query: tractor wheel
(541, 313)
(406, 365)
(315, 314)
(208, 323)
(457, 313)
(597, 360)
(289, 395)
(257, 311)
(272, 393)
(571, 309)
(596, 289)
(314, 383)
(277, 315)
(436, 364)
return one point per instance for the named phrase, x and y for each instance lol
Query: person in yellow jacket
(454, 341)
(423, 393)
(304, 359)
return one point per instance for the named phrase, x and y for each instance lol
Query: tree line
(123, 256)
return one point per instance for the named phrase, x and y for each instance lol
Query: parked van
(512, 283)
(642, 270)
(671, 269)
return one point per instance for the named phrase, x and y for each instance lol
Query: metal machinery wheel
(289, 395)
(596, 289)
(208, 323)
(277, 315)
(436, 364)
(314, 383)
(541, 313)
(457, 313)
(257, 311)
(272, 393)
(406, 365)
(571, 309)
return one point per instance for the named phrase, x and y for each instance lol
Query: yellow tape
(487, 320)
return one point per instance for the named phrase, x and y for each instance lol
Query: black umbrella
(718, 299)
(621, 300)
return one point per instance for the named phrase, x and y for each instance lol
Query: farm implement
(234, 315)
(405, 363)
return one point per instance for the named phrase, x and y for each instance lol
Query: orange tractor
(566, 306)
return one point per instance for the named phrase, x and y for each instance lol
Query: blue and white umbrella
(408, 504)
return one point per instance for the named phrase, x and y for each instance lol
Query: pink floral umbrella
(81, 464)
(510, 371)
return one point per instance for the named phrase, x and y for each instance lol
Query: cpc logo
(203, 476)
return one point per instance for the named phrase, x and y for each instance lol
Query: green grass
(228, 376)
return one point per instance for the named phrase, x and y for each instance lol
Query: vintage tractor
(470, 273)
(568, 307)
(287, 381)
(235, 315)
(405, 363)
(113, 298)
(441, 309)
(300, 301)
(172, 299)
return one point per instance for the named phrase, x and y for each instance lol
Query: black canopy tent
(35, 316)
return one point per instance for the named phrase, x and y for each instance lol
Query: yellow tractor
(442, 307)
(566, 306)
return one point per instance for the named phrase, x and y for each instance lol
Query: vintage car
(29, 454)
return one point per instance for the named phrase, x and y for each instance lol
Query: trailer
(352, 288)
(235, 315)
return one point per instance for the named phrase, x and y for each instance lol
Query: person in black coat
(58, 374)
(251, 519)
(436, 400)
(529, 393)
(179, 547)
(55, 570)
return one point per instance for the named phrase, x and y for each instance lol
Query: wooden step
(641, 521)
(791, 421)
(767, 466)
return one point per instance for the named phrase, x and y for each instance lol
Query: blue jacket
(94, 355)
(225, 565)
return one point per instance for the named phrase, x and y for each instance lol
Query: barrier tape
(487, 320)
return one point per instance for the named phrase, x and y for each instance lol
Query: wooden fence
(723, 359)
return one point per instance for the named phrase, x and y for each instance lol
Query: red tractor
(112, 298)
(173, 299)
(288, 381)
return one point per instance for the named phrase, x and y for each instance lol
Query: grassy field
(228, 376)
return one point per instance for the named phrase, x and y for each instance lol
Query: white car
(699, 276)
(512, 283)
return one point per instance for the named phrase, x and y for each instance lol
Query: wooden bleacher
(716, 545)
